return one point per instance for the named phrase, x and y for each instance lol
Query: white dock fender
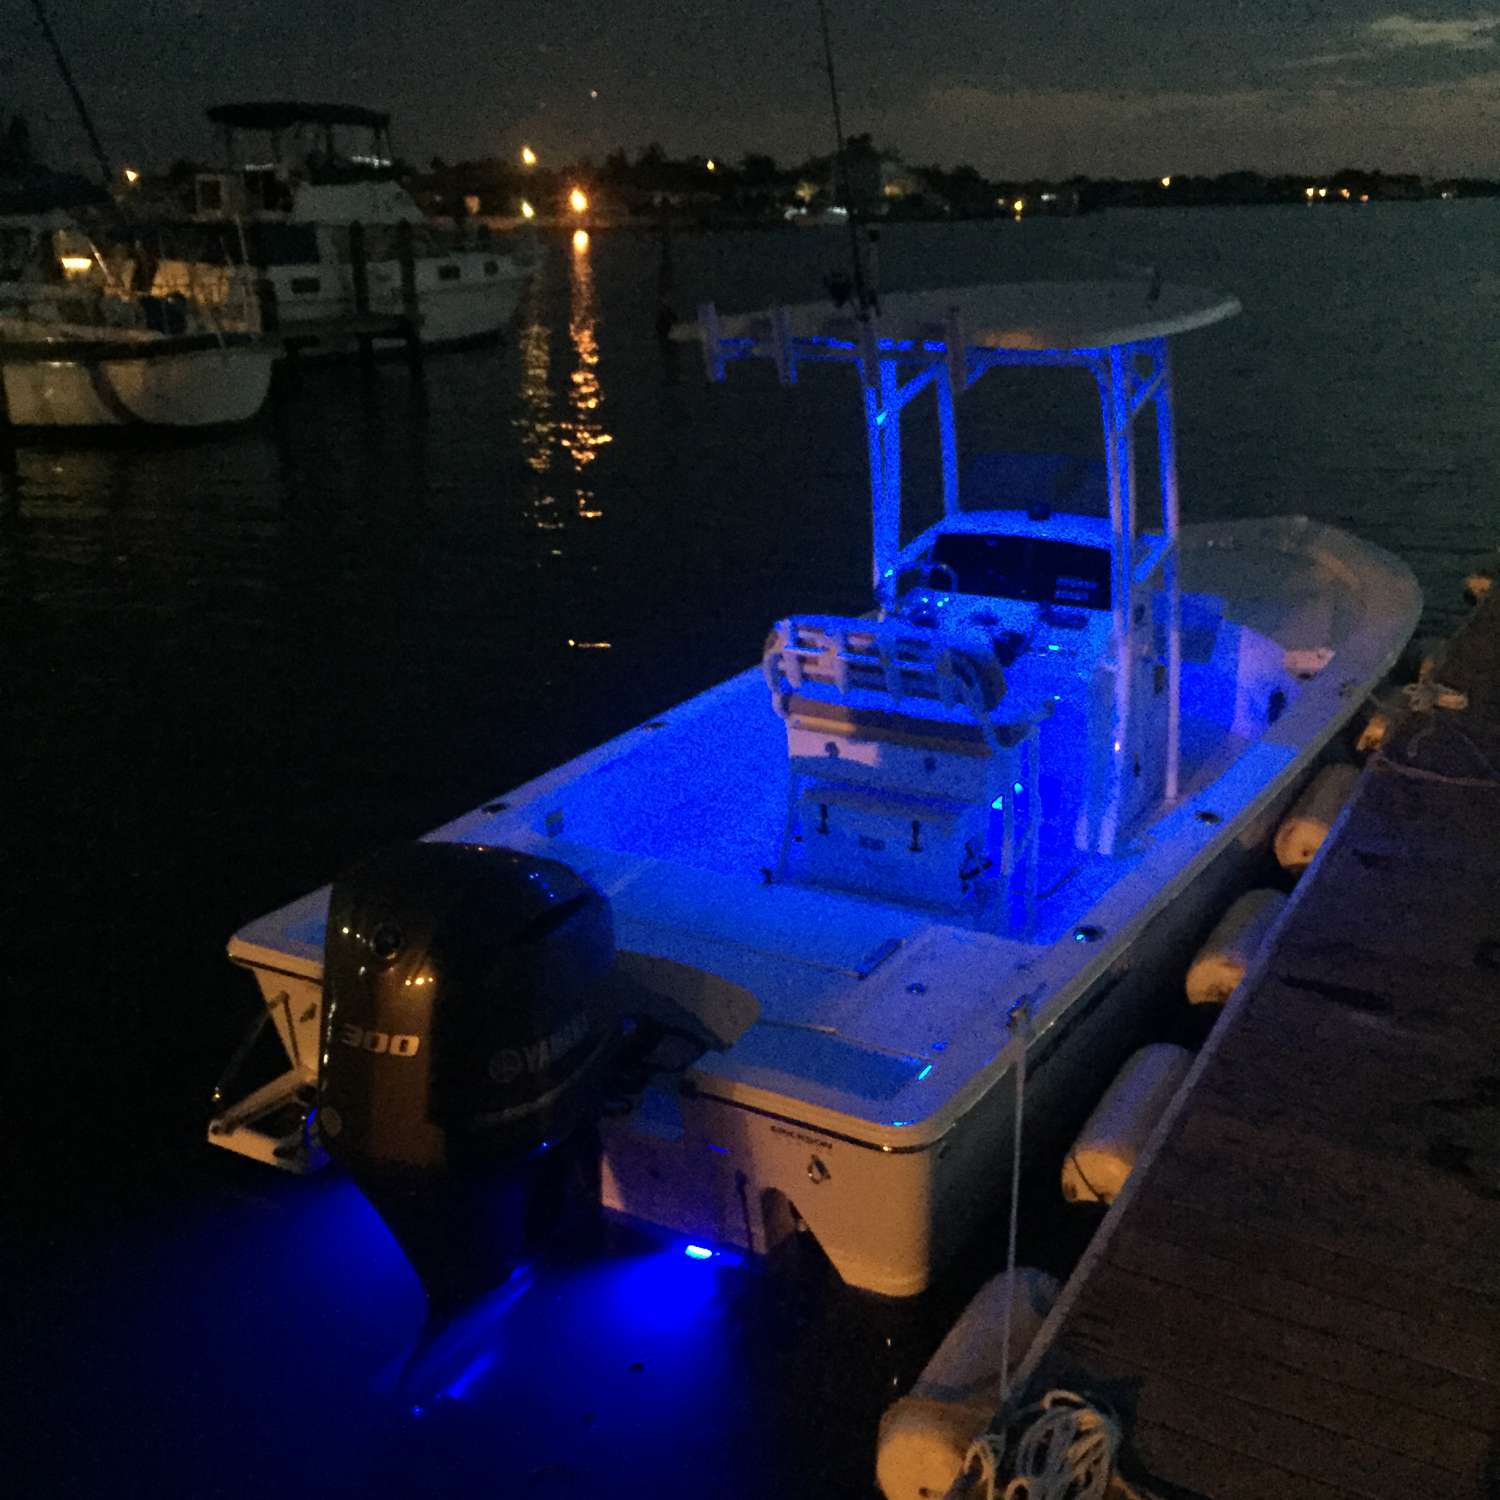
(1113, 1136)
(1221, 962)
(925, 1435)
(1305, 827)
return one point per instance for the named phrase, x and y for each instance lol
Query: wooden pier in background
(1297, 1297)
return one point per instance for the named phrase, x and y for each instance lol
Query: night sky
(1013, 87)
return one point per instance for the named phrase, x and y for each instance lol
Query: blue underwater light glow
(697, 1252)
(925, 1071)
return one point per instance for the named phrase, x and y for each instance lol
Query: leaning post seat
(899, 757)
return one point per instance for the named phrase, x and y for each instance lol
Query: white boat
(283, 219)
(982, 818)
(79, 348)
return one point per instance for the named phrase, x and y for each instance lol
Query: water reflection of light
(580, 239)
(583, 431)
(537, 428)
(559, 445)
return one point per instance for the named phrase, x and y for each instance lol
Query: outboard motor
(469, 1029)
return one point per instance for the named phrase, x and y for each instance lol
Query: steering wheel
(931, 580)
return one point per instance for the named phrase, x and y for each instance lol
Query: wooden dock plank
(1387, 1192)
(1177, 1458)
(1259, 1195)
(1265, 1439)
(1449, 979)
(1253, 1338)
(1240, 1283)
(1232, 1353)
(1451, 1131)
(1294, 1255)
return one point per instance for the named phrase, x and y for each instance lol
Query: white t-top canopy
(947, 340)
(1035, 315)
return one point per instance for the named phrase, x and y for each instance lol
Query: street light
(527, 211)
(528, 157)
(132, 176)
(578, 201)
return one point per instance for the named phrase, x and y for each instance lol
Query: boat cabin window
(1037, 570)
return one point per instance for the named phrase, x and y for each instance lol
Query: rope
(1020, 1025)
(1064, 1451)
(1425, 696)
(1427, 693)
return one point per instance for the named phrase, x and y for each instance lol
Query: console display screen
(1037, 570)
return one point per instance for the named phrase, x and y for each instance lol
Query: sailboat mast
(841, 161)
(82, 108)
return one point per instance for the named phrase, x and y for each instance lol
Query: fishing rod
(862, 296)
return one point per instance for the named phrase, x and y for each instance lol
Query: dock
(1297, 1294)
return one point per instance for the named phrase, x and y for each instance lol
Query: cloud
(1326, 59)
(1400, 33)
(1464, 35)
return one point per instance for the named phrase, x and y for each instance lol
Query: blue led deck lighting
(697, 1252)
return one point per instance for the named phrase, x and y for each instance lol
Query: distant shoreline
(688, 223)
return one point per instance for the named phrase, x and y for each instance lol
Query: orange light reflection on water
(559, 445)
(583, 433)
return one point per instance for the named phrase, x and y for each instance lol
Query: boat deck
(1299, 1292)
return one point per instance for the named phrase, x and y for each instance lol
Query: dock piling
(411, 317)
(359, 267)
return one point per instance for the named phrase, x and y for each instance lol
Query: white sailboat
(906, 846)
(80, 347)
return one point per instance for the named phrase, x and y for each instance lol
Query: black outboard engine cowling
(468, 1031)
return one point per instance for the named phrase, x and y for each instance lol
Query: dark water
(230, 667)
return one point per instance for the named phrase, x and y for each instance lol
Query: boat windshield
(1038, 570)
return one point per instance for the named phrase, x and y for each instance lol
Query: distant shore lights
(528, 157)
(578, 201)
(1166, 181)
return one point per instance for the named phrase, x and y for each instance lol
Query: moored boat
(864, 878)
(80, 347)
(323, 232)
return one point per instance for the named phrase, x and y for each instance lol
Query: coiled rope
(1065, 1450)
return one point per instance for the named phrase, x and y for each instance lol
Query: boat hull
(190, 388)
(463, 299)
